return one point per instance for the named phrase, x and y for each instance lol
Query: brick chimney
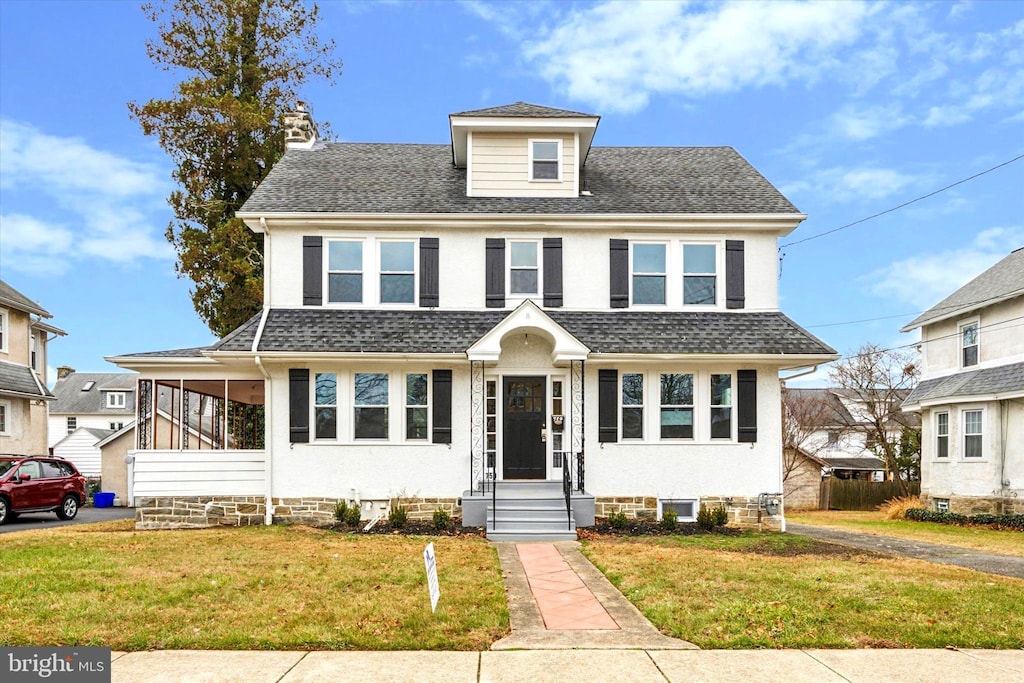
(64, 370)
(299, 128)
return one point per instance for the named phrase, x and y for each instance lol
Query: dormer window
(969, 344)
(524, 274)
(115, 399)
(544, 159)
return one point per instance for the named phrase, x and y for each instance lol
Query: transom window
(700, 265)
(524, 273)
(544, 159)
(345, 271)
(397, 272)
(721, 406)
(326, 405)
(416, 427)
(942, 435)
(972, 434)
(371, 405)
(969, 344)
(632, 406)
(649, 274)
(115, 399)
(677, 406)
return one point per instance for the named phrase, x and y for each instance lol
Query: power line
(904, 204)
(936, 309)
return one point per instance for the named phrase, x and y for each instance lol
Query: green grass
(1006, 542)
(783, 591)
(252, 588)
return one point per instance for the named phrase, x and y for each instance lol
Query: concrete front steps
(529, 511)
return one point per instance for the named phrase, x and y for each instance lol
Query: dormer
(522, 150)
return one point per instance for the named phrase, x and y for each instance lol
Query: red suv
(30, 483)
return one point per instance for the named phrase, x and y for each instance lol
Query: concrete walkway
(1005, 565)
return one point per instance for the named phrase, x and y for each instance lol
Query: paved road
(48, 520)
(1005, 565)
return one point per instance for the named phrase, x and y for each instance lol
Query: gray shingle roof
(408, 178)
(525, 110)
(12, 298)
(72, 400)
(191, 352)
(868, 463)
(439, 331)
(980, 382)
(19, 379)
(1004, 279)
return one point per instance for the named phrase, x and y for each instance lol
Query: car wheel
(5, 511)
(68, 507)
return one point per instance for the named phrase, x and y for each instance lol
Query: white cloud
(851, 184)
(925, 279)
(114, 204)
(862, 123)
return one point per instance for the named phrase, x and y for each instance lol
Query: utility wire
(907, 203)
(933, 309)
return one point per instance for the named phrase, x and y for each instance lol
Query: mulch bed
(649, 527)
(601, 529)
(414, 527)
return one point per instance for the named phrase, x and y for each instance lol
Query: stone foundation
(742, 511)
(197, 512)
(321, 510)
(977, 505)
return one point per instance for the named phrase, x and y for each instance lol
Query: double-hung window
(326, 405)
(3, 329)
(649, 273)
(700, 267)
(972, 434)
(5, 418)
(371, 405)
(397, 272)
(33, 339)
(416, 427)
(676, 406)
(544, 160)
(632, 406)
(524, 270)
(115, 399)
(72, 423)
(969, 344)
(345, 271)
(721, 406)
(942, 435)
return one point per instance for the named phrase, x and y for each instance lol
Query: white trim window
(5, 418)
(115, 426)
(649, 272)
(941, 435)
(370, 406)
(4, 329)
(325, 405)
(969, 345)
(345, 271)
(676, 406)
(700, 275)
(545, 160)
(685, 509)
(115, 399)
(973, 429)
(397, 271)
(721, 405)
(33, 342)
(941, 504)
(417, 402)
(524, 268)
(632, 405)
(72, 423)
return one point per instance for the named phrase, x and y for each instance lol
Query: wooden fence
(856, 494)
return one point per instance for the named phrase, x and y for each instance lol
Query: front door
(523, 452)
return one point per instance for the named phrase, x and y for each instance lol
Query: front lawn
(1006, 542)
(785, 591)
(291, 588)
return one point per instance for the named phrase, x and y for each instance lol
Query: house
(24, 336)
(970, 394)
(93, 400)
(115, 462)
(520, 326)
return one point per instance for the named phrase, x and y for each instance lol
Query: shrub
(896, 508)
(353, 516)
(618, 520)
(944, 517)
(669, 519)
(398, 517)
(93, 485)
(720, 515)
(984, 519)
(705, 519)
(441, 519)
(340, 509)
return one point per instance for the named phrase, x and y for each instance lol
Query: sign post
(432, 585)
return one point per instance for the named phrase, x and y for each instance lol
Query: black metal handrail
(579, 471)
(567, 490)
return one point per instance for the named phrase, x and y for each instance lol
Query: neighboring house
(24, 337)
(971, 394)
(115, 462)
(803, 473)
(94, 400)
(81, 447)
(518, 317)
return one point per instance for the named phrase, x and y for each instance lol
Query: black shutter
(495, 272)
(312, 271)
(607, 406)
(734, 282)
(298, 402)
(442, 381)
(618, 270)
(746, 399)
(429, 272)
(553, 272)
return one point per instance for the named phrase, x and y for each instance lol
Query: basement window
(686, 510)
(942, 504)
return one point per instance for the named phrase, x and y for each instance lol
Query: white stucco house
(971, 394)
(520, 326)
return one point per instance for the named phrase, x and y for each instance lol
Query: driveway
(48, 520)
(1005, 565)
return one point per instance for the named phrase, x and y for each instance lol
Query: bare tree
(877, 381)
(806, 413)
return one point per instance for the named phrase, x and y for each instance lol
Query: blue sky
(850, 108)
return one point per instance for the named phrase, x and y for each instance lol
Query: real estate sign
(432, 585)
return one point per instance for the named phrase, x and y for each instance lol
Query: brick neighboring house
(24, 339)
(971, 394)
(519, 326)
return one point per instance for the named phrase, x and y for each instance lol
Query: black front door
(523, 454)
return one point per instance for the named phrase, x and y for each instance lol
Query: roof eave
(922, 320)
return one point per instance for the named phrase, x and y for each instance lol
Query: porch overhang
(529, 319)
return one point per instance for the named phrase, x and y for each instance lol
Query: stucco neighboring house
(94, 400)
(971, 394)
(519, 326)
(115, 463)
(24, 337)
